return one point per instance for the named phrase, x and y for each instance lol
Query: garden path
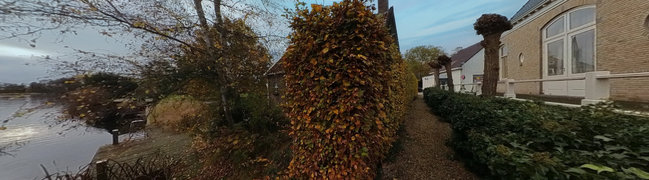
(424, 154)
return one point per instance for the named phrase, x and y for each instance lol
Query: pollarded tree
(435, 65)
(447, 62)
(491, 27)
(344, 93)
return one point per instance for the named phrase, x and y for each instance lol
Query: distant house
(275, 82)
(564, 39)
(275, 74)
(467, 66)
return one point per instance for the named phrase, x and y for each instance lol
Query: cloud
(445, 23)
(14, 51)
(445, 27)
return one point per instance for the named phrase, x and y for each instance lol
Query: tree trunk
(436, 74)
(491, 44)
(215, 54)
(449, 75)
(218, 18)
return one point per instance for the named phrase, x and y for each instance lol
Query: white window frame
(567, 44)
(503, 52)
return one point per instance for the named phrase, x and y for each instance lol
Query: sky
(444, 23)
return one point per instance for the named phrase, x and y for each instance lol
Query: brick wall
(622, 46)
(527, 40)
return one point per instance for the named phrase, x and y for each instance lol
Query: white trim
(501, 60)
(566, 37)
(569, 46)
(534, 16)
(556, 36)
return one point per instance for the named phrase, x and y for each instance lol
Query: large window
(555, 58)
(569, 43)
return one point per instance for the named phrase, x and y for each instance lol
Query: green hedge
(508, 139)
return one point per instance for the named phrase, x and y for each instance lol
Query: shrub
(345, 92)
(412, 84)
(507, 139)
(239, 154)
(257, 114)
(179, 113)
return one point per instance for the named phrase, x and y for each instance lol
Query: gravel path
(424, 154)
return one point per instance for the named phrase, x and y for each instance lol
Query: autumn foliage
(346, 91)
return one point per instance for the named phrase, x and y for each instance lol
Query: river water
(36, 137)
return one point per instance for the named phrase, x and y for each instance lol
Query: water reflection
(17, 134)
(32, 138)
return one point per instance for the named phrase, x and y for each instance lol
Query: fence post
(510, 91)
(115, 133)
(102, 170)
(597, 89)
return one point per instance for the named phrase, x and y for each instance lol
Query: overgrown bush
(257, 146)
(257, 114)
(507, 139)
(346, 91)
(180, 113)
(241, 154)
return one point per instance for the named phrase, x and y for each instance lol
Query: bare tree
(447, 62)
(435, 65)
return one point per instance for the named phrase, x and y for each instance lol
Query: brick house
(275, 75)
(569, 38)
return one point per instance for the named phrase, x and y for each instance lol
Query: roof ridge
(530, 6)
(464, 55)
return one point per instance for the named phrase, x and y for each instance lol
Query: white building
(467, 67)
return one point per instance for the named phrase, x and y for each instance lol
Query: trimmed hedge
(507, 139)
(346, 91)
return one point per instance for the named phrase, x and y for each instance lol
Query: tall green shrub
(345, 91)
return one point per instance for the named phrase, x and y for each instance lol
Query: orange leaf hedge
(346, 91)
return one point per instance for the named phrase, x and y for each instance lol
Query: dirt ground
(157, 141)
(424, 154)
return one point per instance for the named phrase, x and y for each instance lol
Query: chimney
(383, 6)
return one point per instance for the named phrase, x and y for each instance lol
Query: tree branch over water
(213, 35)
